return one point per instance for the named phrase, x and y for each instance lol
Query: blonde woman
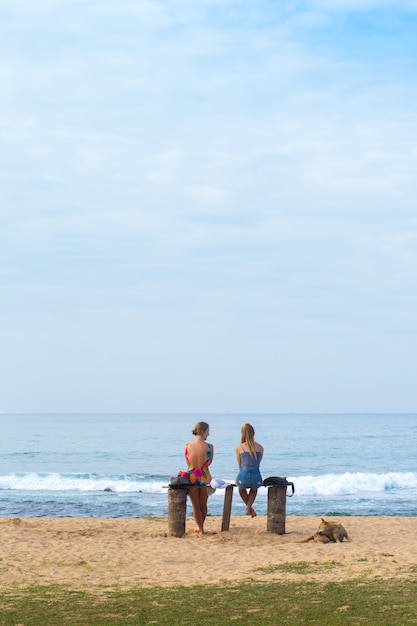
(249, 454)
(199, 456)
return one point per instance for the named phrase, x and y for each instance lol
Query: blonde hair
(200, 428)
(248, 437)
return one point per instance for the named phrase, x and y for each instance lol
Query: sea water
(119, 465)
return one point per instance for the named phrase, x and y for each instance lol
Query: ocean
(119, 465)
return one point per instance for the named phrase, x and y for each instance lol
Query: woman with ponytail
(249, 454)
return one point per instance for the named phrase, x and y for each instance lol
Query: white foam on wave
(315, 486)
(58, 482)
(354, 483)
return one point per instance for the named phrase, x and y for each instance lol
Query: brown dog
(328, 532)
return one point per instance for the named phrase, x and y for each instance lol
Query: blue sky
(208, 206)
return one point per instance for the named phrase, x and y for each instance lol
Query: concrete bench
(276, 510)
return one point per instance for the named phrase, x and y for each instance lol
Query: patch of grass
(300, 567)
(374, 603)
(77, 563)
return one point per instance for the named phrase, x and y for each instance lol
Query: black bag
(278, 481)
(179, 482)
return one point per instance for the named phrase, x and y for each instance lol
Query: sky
(208, 206)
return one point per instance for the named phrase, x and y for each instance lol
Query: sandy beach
(123, 553)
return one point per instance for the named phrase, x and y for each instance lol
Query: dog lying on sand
(328, 532)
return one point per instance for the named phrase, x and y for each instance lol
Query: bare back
(197, 453)
(243, 447)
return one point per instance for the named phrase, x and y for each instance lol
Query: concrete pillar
(277, 502)
(177, 509)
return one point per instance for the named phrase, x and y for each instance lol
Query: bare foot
(250, 511)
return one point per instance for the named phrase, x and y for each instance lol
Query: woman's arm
(210, 461)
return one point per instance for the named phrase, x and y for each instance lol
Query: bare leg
(248, 499)
(195, 501)
(198, 497)
(243, 494)
(203, 503)
(251, 499)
